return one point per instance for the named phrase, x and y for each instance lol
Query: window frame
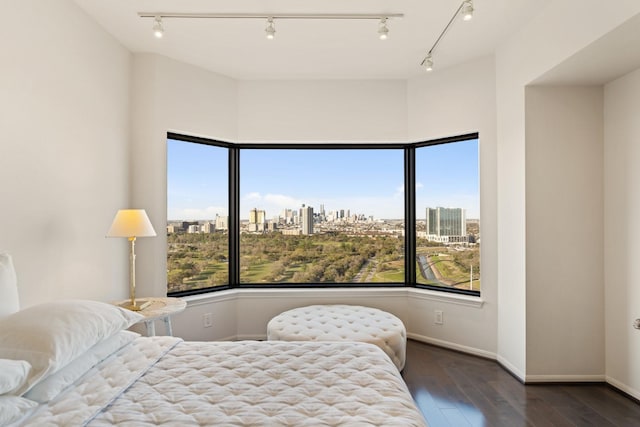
(234, 154)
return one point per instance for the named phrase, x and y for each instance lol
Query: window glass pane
(448, 215)
(197, 216)
(321, 216)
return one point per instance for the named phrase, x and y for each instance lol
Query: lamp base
(139, 305)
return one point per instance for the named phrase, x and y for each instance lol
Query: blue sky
(368, 182)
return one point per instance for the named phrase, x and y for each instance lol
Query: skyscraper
(446, 225)
(253, 216)
(222, 222)
(261, 217)
(257, 220)
(306, 219)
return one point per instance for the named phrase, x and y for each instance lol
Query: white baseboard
(251, 337)
(511, 368)
(229, 338)
(242, 338)
(532, 379)
(453, 346)
(624, 388)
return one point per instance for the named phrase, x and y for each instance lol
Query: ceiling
(606, 59)
(314, 49)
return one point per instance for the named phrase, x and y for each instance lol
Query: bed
(74, 363)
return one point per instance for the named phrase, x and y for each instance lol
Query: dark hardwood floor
(455, 389)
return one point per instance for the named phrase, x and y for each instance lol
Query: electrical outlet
(207, 320)
(438, 320)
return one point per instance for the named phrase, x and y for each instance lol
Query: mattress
(170, 382)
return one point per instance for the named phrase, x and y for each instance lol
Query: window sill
(413, 293)
(425, 294)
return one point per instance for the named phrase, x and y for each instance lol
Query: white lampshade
(131, 223)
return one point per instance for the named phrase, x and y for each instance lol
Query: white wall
(64, 143)
(560, 30)
(322, 111)
(564, 197)
(169, 96)
(453, 102)
(622, 247)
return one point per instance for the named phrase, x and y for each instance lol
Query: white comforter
(165, 381)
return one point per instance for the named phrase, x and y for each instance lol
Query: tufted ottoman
(342, 323)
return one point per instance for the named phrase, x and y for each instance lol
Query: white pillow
(9, 303)
(14, 408)
(51, 335)
(13, 374)
(51, 386)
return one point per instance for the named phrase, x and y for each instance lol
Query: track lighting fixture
(427, 62)
(383, 31)
(467, 10)
(271, 29)
(158, 31)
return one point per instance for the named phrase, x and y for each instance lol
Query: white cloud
(252, 196)
(282, 201)
(199, 214)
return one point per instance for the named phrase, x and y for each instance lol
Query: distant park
(200, 260)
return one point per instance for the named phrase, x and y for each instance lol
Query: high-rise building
(222, 222)
(446, 225)
(261, 217)
(287, 216)
(257, 220)
(306, 219)
(208, 227)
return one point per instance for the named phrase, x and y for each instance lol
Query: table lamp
(132, 223)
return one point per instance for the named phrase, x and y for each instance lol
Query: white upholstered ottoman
(342, 323)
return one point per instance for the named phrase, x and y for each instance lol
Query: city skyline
(365, 182)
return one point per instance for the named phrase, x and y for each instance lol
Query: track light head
(383, 31)
(427, 62)
(158, 31)
(271, 29)
(467, 10)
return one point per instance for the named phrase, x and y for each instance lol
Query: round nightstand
(159, 308)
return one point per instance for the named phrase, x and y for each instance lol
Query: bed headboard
(9, 302)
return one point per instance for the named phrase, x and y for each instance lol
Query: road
(365, 268)
(427, 272)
